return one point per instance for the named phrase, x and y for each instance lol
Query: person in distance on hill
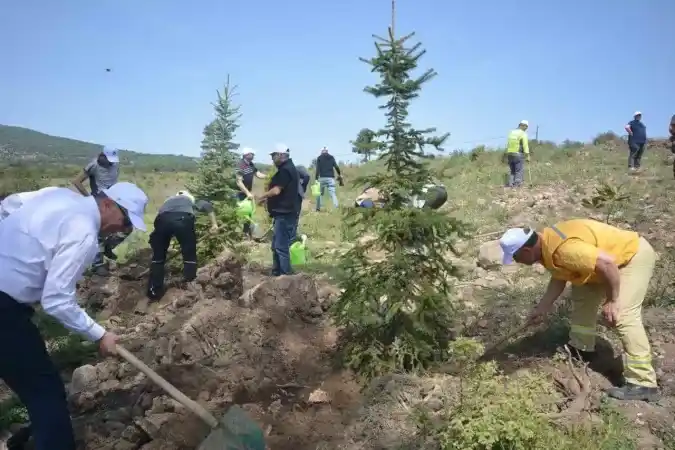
(637, 140)
(53, 239)
(176, 217)
(517, 153)
(608, 267)
(14, 202)
(245, 173)
(671, 132)
(326, 167)
(283, 200)
(102, 172)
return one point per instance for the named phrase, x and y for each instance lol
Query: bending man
(53, 239)
(176, 217)
(607, 267)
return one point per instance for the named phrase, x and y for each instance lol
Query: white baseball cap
(324, 148)
(280, 148)
(248, 151)
(512, 241)
(132, 199)
(112, 154)
(637, 113)
(524, 122)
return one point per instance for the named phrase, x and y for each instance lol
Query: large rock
(490, 255)
(85, 378)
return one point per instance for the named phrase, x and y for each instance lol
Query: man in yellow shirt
(606, 266)
(517, 152)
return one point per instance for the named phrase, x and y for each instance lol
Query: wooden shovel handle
(177, 395)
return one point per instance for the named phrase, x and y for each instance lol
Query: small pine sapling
(396, 312)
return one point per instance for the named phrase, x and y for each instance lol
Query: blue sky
(574, 68)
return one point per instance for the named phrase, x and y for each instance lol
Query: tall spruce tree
(396, 311)
(215, 179)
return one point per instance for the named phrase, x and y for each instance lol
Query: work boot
(155, 294)
(634, 392)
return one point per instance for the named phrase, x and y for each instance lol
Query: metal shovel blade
(235, 432)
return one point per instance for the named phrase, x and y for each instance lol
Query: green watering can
(298, 251)
(246, 208)
(316, 189)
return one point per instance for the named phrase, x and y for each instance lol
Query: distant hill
(19, 146)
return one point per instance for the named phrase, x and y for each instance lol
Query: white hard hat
(186, 193)
(525, 122)
(637, 113)
(247, 151)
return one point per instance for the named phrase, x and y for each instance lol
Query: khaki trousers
(587, 299)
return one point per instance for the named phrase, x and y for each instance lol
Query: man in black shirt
(283, 202)
(246, 172)
(325, 173)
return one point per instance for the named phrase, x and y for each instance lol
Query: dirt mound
(267, 349)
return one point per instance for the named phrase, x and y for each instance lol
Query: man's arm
(606, 268)
(78, 182)
(553, 291)
(240, 185)
(207, 207)
(336, 167)
(278, 184)
(628, 129)
(65, 269)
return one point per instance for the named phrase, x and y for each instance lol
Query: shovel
(235, 431)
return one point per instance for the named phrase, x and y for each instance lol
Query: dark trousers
(672, 150)
(285, 228)
(108, 244)
(516, 168)
(25, 366)
(168, 225)
(635, 154)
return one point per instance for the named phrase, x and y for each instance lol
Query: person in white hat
(48, 243)
(637, 140)
(245, 174)
(102, 172)
(517, 153)
(14, 202)
(609, 269)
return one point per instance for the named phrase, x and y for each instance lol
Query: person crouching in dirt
(176, 217)
(607, 267)
(433, 196)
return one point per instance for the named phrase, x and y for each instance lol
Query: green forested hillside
(22, 145)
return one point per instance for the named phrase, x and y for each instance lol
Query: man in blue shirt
(637, 139)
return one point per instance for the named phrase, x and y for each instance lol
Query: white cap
(132, 199)
(524, 122)
(280, 148)
(112, 154)
(324, 148)
(247, 151)
(512, 241)
(637, 113)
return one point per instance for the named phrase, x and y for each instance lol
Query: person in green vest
(517, 153)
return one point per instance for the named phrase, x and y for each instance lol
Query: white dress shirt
(45, 247)
(15, 201)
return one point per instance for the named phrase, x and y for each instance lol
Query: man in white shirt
(13, 202)
(47, 245)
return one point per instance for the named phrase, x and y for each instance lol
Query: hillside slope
(20, 145)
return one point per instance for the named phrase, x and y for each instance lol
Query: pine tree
(396, 312)
(215, 172)
(215, 179)
(365, 144)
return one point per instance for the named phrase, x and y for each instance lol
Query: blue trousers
(25, 366)
(285, 228)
